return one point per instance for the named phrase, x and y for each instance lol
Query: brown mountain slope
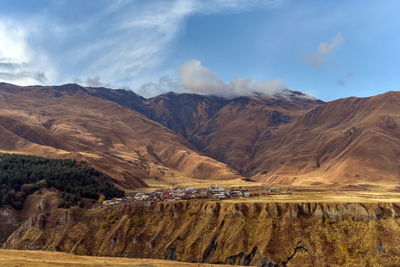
(66, 121)
(226, 130)
(232, 134)
(349, 140)
(286, 138)
(126, 98)
(183, 113)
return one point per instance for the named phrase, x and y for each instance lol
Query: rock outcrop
(267, 234)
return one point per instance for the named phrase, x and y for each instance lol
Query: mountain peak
(286, 94)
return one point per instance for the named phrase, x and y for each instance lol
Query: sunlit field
(11, 258)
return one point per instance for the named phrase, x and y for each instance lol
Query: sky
(327, 49)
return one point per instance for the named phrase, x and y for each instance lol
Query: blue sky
(329, 49)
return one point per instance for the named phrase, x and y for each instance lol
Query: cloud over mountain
(119, 43)
(196, 78)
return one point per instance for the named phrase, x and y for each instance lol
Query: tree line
(21, 175)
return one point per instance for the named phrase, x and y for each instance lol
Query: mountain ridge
(291, 138)
(66, 121)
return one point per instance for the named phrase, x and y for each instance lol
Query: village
(190, 193)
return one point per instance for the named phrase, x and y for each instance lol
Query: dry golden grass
(341, 194)
(14, 258)
(361, 193)
(319, 197)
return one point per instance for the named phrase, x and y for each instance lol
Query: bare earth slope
(231, 135)
(226, 130)
(291, 138)
(66, 121)
(286, 138)
(350, 140)
(182, 113)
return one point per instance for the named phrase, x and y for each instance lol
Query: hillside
(224, 129)
(350, 140)
(68, 122)
(231, 135)
(289, 137)
(182, 113)
(22, 175)
(244, 233)
(183, 139)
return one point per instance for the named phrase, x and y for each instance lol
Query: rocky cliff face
(9, 220)
(296, 234)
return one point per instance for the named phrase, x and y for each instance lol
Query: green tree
(21, 175)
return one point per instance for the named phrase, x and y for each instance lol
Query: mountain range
(285, 138)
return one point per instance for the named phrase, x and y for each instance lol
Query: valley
(199, 133)
(340, 207)
(186, 139)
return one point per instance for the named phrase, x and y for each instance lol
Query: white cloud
(138, 40)
(323, 53)
(92, 82)
(12, 42)
(247, 86)
(214, 6)
(125, 43)
(195, 78)
(19, 63)
(164, 84)
(327, 48)
(198, 79)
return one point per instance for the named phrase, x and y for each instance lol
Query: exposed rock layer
(296, 234)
